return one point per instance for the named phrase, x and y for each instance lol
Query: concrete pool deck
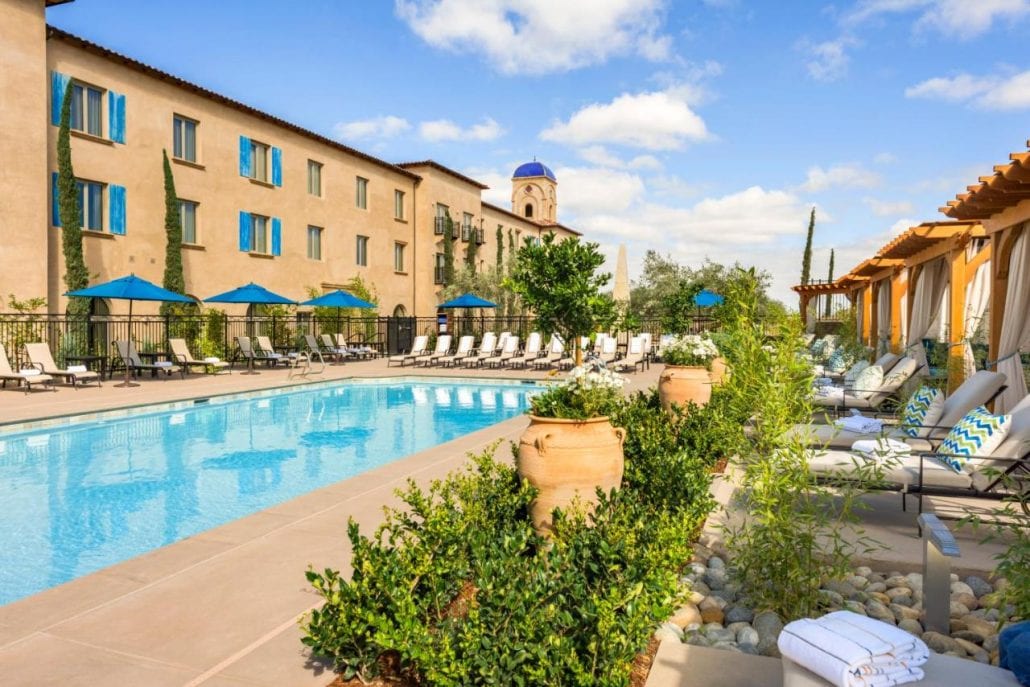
(219, 608)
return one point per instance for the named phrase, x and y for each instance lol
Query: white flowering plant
(590, 390)
(691, 350)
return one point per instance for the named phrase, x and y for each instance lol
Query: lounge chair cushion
(902, 471)
(923, 408)
(839, 361)
(975, 391)
(829, 436)
(868, 381)
(852, 374)
(979, 433)
(900, 371)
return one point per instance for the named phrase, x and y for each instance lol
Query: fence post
(225, 335)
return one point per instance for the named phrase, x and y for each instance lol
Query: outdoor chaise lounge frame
(418, 348)
(7, 374)
(530, 354)
(129, 356)
(904, 370)
(182, 355)
(442, 350)
(487, 348)
(41, 358)
(466, 345)
(509, 350)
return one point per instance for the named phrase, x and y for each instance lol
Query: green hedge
(455, 588)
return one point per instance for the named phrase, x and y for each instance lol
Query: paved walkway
(219, 608)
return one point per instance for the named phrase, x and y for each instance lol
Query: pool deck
(219, 608)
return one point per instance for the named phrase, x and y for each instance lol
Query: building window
(184, 138)
(398, 256)
(440, 225)
(362, 193)
(87, 113)
(91, 205)
(258, 161)
(466, 227)
(188, 220)
(258, 234)
(314, 242)
(362, 253)
(315, 178)
(398, 204)
(529, 209)
(438, 269)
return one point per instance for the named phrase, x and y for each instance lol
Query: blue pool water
(78, 497)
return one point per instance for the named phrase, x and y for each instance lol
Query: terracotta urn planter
(719, 370)
(680, 385)
(566, 459)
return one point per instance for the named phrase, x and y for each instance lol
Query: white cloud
(602, 157)
(840, 176)
(903, 224)
(586, 190)
(883, 208)
(658, 120)
(961, 19)
(540, 36)
(828, 61)
(648, 162)
(990, 92)
(446, 130)
(387, 126)
(885, 158)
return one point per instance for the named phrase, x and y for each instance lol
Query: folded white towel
(28, 372)
(852, 650)
(829, 390)
(822, 381)
(163, 363)
(884, 447)
(859, 424)
(212, 360)
(76, 368)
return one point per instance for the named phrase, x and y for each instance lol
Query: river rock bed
(719, 613)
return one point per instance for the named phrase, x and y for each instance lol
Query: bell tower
(534, 193)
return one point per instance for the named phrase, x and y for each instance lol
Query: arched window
(400, 311)
(529, 209)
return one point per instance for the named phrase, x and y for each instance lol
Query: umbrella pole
(250, 360)
(128, 373)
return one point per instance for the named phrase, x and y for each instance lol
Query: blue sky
(696, 128)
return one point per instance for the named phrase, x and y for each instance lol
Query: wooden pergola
(1001, 202)
(895, 270)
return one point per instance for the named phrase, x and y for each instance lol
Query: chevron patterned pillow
(978, 434)
(913, 416)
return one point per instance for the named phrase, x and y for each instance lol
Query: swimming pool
(77, 497)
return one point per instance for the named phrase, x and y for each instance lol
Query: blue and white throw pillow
(839, 361)
(818, 348)
(914, 414)
(978, 434)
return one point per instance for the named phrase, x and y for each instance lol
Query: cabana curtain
(978, 292)
(1015, 328)
(859, 309)
(883, 316)
(926, 306)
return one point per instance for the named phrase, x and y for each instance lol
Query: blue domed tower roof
(533, 169)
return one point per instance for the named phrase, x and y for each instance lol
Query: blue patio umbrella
(130, 288)
(338, 299)
(251, 294)
(706, 299)
(467, 300)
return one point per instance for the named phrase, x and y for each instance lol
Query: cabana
(1001, 202)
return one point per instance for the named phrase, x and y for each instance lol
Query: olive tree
(559, 282)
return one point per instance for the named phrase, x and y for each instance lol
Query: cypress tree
(806, 261)
(470, 252)
(500, 249)
(448, 250)
(76, 276)
(829, 279)
(509, 308)
(174, 280)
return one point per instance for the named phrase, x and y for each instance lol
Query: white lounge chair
(569, 361)
(362, 351)
(442, 350)
(634, 356)
(130, 359)
(264, 350)
(182, 355)
(465, 349)
(27, 377)
(508, 351)
(332, 349)
(41, 358)
(487, 348)
(555, 352)
(608, 349)
(418, 348)
(846, 398)
(531, 352)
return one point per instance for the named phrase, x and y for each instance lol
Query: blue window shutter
(244, 156)
(116, 199)
(277, 236)
(244, 231)
(58, 86)
(277, 166)
(55, 210)
(116, 117)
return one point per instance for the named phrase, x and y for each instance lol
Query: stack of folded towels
(852, 650)
(859, 424)
(883, 447)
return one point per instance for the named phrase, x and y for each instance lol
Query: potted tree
(570, 449)
(687, 374)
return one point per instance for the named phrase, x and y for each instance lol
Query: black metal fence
(214, 333)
